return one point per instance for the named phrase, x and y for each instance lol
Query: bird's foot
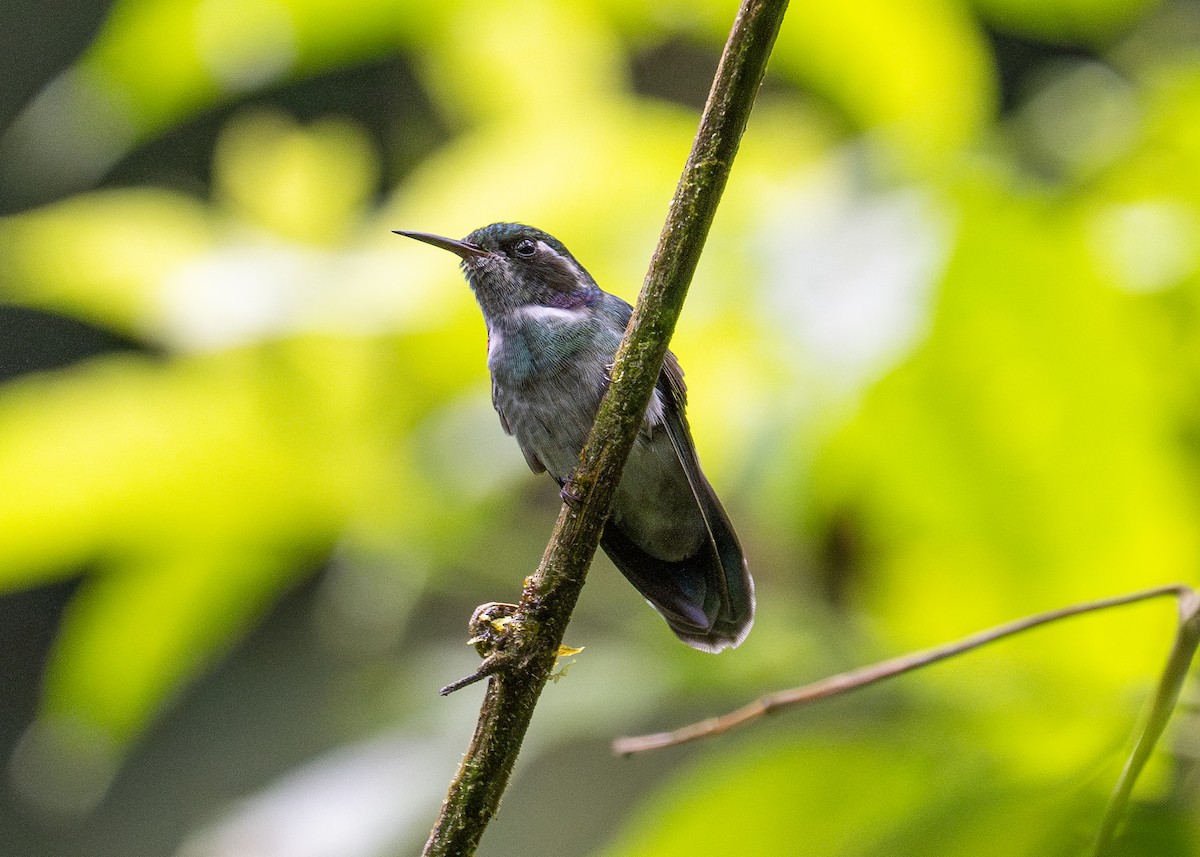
(570, 494)
(500, 638)
(493, 628)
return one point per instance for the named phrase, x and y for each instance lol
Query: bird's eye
(525, 248)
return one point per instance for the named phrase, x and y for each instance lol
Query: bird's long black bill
(459, 248)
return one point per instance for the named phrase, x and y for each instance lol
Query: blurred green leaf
(277, 176)
(882, 792)
(200, 488)
(916, 73)
(1071, 21)
(103, 256)
(135, 633)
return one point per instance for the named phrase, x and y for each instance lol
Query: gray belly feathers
(667, 532)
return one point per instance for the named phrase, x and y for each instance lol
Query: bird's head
(510, 265)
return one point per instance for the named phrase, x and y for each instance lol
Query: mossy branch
(524, 653)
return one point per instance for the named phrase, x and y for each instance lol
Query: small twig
(488, 667)
(863, 676)
(1187, 638)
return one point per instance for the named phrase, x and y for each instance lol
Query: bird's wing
(708, 597)
(531, 458)
(733, 582)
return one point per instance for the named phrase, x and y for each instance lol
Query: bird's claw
(492, 626)
(570, 494)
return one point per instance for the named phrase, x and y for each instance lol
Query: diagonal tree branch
(525, 645)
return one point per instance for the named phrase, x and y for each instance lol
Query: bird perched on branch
(552, 337)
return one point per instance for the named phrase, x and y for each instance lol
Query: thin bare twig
(863, 676)
(1166, 696)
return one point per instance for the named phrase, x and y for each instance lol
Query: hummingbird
(552, 338)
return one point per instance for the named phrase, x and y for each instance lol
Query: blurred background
(943, 353)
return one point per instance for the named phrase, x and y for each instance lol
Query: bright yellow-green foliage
(970, 342)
